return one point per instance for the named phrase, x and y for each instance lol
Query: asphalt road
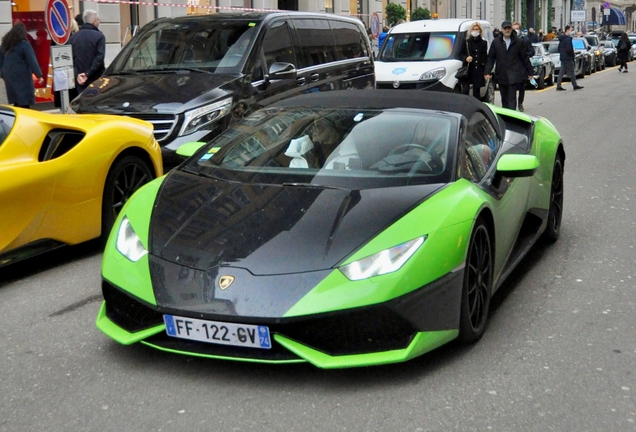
(559, 353)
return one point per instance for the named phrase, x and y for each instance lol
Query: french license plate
(245, 335)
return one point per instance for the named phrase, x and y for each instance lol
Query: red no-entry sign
(58, 20)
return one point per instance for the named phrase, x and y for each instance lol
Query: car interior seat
(299, 151)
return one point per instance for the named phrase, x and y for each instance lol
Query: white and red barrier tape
(191, 4)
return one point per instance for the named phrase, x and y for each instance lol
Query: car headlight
(387, 261)
(435, 74)
(201, 117)
(128, 243)
(597, 52)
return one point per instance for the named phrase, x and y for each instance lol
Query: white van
(424, 55)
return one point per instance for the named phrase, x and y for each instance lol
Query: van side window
(350, 40)
(317, 45)
(277, 46)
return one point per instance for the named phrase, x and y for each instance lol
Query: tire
(477, 285)
(550, 80)
(555, 213)
(541, 82)
(124, 178)
(457, 89)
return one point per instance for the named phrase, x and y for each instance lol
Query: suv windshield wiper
(174, 69)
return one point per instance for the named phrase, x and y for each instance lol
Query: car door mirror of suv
(280, 70)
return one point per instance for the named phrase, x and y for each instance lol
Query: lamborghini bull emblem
(225, 282)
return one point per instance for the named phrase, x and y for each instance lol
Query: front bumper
(418, 85)
(393, 331)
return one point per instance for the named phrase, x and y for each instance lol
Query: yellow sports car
(64, 178)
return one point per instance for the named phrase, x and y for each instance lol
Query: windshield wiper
(313, 186)
(174, 69)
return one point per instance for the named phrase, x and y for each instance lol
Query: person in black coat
(513, 65)
(89, 50)
(624, 45)
(475, 57)
(521, 87)
(17, 63)
(566, 54)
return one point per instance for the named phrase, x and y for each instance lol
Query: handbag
(462, 72)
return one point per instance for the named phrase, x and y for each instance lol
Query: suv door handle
(300, 81)
(314, 77)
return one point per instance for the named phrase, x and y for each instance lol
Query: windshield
(553, 48)
(578, 44)
(346, 148)
(418, 46)
(218, 47)
(538, 51)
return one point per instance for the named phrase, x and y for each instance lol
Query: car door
(482, 147)
(275, 47)
(25, 188)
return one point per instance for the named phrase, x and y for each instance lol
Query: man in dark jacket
(513, 64)
(89, 50)
(566, 54)
(521, 87)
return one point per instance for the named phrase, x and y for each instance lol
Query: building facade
(120, 19)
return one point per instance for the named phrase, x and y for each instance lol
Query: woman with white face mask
(476, 49)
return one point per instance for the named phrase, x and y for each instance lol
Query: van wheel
(457, 89)
(550, 80)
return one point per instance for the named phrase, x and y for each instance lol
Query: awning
(615, 17)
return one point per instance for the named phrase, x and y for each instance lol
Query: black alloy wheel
(124, 178)
(555, 213)
(477, 287)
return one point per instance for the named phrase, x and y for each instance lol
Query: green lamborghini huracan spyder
(341, 229)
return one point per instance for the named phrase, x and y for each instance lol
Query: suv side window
(350, 40)
(317, 45)
(277, 45)
(480, 147)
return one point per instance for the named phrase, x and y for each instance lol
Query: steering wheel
(437, 162)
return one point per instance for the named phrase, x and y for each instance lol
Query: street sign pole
(57, 17)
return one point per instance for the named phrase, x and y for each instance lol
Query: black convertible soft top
(383, 99)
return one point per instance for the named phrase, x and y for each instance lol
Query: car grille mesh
(163, 124)
(354, 331)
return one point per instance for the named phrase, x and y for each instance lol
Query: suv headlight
(199, 118)
(128, 243)
(432, 75)
(387, 261)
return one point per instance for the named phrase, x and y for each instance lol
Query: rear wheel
(555, 213)
(550, 80)
(124, 178)
(541, 82)
(477, 286)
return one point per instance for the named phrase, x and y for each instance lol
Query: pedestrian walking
(532, 36)
(509, 57)
(624, 45)
(17, 65)
(382, 36)
(521, 88)
(566, 54)
(89, 50)
(476, 54)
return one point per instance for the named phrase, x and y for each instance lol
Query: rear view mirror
(281, 70)
(515, 165)
(188, 149)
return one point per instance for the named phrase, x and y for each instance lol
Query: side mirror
(515, 165)
(188, 149)
(280, 70)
